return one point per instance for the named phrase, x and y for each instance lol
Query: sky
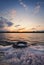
(21, 15)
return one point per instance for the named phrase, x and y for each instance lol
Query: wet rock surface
(32, 55)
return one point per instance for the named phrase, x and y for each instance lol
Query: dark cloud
(17, 25)
(21, 29)
(9, 24)
(1, 24)
(5, 23)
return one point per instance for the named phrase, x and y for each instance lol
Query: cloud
(37, 9)
(21, 29)
(17, 25)
(38, 26)
(33, 29)
(5, 23)
(12, 13)
(23, 4)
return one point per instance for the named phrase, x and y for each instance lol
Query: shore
(32, 55)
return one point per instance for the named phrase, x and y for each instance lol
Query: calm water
(31, 55)
(29, 37)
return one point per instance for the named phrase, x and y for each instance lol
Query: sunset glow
(22, 15)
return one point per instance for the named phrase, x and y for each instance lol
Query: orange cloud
(21, 29)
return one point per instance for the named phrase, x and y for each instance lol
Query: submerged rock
(20, 44)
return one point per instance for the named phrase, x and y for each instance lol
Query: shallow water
(31, 55)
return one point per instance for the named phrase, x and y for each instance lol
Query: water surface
(31, 55)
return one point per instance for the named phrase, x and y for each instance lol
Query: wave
(24, 56)
(10, 42)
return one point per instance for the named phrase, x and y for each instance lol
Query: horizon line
(22, 32)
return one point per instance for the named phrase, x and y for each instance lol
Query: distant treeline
(22, 32)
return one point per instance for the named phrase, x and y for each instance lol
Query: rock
(20, 44)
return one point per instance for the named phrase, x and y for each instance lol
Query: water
(31, 55)
(29, 37)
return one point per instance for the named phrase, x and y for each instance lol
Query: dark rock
(20, 44)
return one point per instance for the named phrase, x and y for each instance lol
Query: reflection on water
(30, 37)
(31, 55)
